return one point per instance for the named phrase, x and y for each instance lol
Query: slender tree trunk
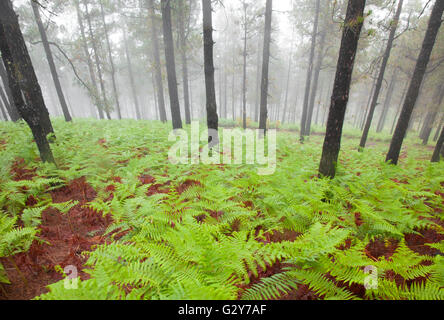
(314, 88)
(287, 88)
(19, 66)
(439, 97)
(415, 84)
(439, 148)
(347, 54)
(438, 129)
(212, 117)
(220, 91)
(244, 73)
(6, 106)
(3, 104)
(233, 88)
(171, 64)
(309, 72)
(156, 103)
(399, 107)
(157, 65)
(378, 86)
(95, 91)
(387, 102)
(258, 81)
(265, 66)
(51, 63)
(372, 91)
(225, 94)
(183, 54)
(131, 75)
(97, 60)
(321, 94)
(111, 61)
(12, 110)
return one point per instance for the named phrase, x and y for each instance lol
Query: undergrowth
(212, 231)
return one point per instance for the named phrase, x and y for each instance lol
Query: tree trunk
(157, 65)
(438, 129)
(225, 94)
(183, 54)
(12, 111)
(19, 66)
(439, 97)
(378, 86)
(321, 94)
(51, 63)
(171, 64)
(314, 88)
(95, 91)
(349, 45)
(439, 148)
(97, 60)
(309, 72)
(415, 84)
(265, 66)
(387, 102)
(399, 107)
(6, 106)
(131, 75)
(156, 103)
(244, 72)
(3, 104)
(258, 81)
(233, 89)
(212, 117)
(111, 61)
(287, 88)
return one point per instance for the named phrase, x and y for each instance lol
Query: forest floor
(147, 223)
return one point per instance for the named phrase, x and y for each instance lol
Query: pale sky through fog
(280, 7)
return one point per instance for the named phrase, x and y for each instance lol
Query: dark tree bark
(399, 107)
(438, 129)
(349, 45)
(111, 61)
(131, 75)
(157, 65)
(212, 117)
(183, 55)
(314, 87)
(95, 90)
(378, 86)
(97, 60)
(265, 66)
(415, 84)
(309, 71)
(171, 64)
(19, 66)
(439, 148)
(51, 63)
(12, 110)
(387, 102)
